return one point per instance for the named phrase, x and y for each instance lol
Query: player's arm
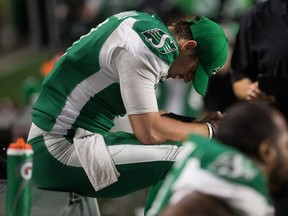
(152, 128)
(137, 84)
(198, 204)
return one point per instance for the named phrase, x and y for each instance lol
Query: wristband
(211, 129)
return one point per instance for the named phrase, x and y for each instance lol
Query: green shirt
(214, 169)
(83, 89)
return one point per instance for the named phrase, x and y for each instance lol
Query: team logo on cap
(214, 71)
(160, 40)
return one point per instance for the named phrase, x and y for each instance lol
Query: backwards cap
(212, 47)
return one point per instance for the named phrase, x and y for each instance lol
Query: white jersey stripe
(129, 154)
(77, 99)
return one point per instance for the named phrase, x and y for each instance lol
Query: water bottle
(19, 173)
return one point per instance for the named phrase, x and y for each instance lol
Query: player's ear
(188, 45)
(267, 152)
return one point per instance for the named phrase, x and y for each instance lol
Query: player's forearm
(175, 130)
(153, 128)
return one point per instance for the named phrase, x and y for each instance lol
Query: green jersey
(217, 170)
(84, 87)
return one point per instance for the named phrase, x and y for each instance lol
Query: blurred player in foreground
(235, 174)
(111, 71)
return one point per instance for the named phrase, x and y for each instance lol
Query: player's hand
(213, 117)
(254, 94)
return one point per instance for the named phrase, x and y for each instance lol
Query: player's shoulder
(223, 160)
(149, 31)
(156, 36)
(226, 163)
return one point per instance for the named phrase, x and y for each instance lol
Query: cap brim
(200, 80)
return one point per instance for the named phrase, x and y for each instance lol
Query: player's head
(260, 132)
(203, 51)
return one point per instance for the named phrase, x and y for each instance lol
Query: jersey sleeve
(137, 83)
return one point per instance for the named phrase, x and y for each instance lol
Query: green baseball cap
(212, 47)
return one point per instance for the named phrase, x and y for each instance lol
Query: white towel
(95, 158)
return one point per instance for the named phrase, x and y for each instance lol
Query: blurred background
(34, 34)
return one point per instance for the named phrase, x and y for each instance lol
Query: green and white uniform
(111, 71)
(214, 169)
